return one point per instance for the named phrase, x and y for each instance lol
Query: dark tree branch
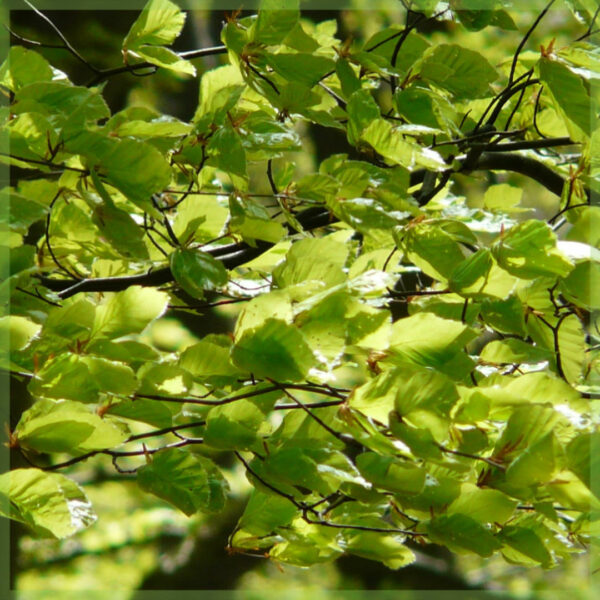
(191, 54)
(235, 255)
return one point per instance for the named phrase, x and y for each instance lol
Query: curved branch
(190, 54)
(534, 169)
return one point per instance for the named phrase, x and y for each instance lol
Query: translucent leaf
(77, 104)
(459, 533)
(529, 250)
(388, 142)
(312, 259)
(209, 358)
(408, 390)
(19, 331)
(484, 505)
(82, 378)
(275, 350)
(569, 94)
(526, 426)
(197, 272)
(428, 340)
(276, 19)
(471, 275)
(506, 316)
(159, 23)
(527, 543)
(227, 152)
(388, 549)
(152, 412)
(188, 481)
(581, 285)
(22, 67)
(535, 465)
(583, 459)
(265, 512)
(135, 168)
(431, 249)
(571, 348)
(305, 68)
(513, 350)
(49, 503)
(463, 72)
(390, 474)
(220, 88)
(163, 57)
(233, 426)
(317, 186)
(503, 391)
(67, 426)
(130, 311)
(161, 127)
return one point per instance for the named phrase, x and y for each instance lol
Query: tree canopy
(399, 342)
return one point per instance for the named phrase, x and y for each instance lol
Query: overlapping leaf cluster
(465, 421)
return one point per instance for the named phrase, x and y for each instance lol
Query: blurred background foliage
(143, 544)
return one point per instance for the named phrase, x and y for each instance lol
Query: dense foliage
(414, 360)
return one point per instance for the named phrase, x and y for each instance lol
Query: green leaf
(233, 426)
(276, 19)
(227, 151)
(307, 69)
(189, 482)
(580, 286)
(483, 505)
(162, 127)
(220, 89)
(422, 396)
(506, 316)
(49, 503)
(67, 426)
(65, 103)
(317, 187)
(459, 533)
(22, 67)
(431, 249)
(529, 250)
(197, 272)
(312, 259)
(389, 142)
(583, 459)
(209, 358)
(165, 58)
(463, 72)
(390, 474)
(535, 465)
(152, 412)
(570, 339)
(135, 168)
(426, 339)
(525, 542)
(265, 512)
(82, 378)
(348, 79)
(19, 331)
(159, 24)
(470, 277)
(274, 349)
(388, 549)
(130, 311)
(513, 350)
(570, 95)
